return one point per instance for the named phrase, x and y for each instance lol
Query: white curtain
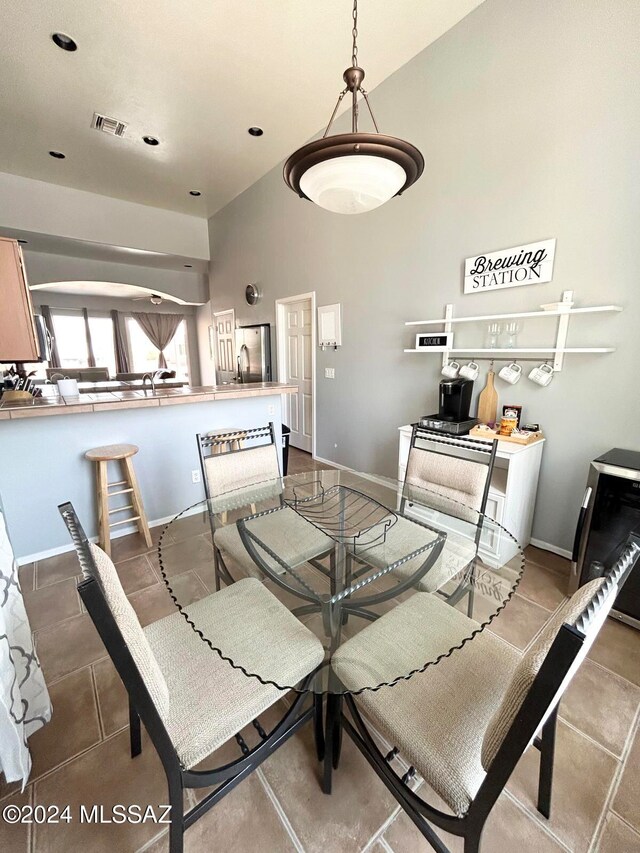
(24, 699)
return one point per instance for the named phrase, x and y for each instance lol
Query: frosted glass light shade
(353, 184)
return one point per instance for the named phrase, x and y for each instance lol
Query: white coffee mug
(67, 387)
(542, 375)
(470, 371)
(451, 369)
(511, 373)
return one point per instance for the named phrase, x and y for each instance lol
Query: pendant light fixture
(353, 172)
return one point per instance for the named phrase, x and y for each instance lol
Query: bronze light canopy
(353, 172)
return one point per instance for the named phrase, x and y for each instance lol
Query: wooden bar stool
(117, 453)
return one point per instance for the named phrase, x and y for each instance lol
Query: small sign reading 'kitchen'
(532, 264)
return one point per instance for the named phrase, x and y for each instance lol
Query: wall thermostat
(438, 342)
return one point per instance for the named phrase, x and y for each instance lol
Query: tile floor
(82, 755)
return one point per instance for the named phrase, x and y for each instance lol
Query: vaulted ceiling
(194, 74)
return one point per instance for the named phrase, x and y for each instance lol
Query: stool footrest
(120, 509)
(119, 483)
(120, 492)
(124, 521)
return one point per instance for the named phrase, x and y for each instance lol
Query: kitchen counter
(44, 461)
(101, 401)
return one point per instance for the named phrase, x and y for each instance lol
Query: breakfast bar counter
(45, 441)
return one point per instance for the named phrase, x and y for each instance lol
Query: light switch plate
(329, 373)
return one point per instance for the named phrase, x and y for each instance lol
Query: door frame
(281, 353)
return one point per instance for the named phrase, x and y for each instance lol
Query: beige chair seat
(437, 718)
(285, 532)
(209, 700)
(405, 537)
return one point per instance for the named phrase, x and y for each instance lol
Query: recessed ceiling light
(57, 154)
(255, 131)
(195, 192)
(189, 266)
(151, 140)
(64, 42)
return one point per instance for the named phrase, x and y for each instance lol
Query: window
(71, 339)
(144, 356)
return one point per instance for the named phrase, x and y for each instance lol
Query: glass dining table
(341, 550)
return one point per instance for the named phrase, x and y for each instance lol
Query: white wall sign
(532, 264)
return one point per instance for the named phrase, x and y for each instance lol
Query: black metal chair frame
(142, 708)
(540, 708)
(484, 451)
(222, 440)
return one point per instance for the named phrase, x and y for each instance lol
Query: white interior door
(298, 317)
(225, 325)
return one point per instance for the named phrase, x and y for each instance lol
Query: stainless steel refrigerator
(253, 353)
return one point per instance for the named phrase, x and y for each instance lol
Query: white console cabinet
(512, 493)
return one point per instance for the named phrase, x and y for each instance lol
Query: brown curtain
(119, 345)
(160, 329)
(91, 359)
(54, 361)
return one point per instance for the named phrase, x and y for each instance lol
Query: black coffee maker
(455, 402)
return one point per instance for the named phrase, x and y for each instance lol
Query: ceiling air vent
(112, 126)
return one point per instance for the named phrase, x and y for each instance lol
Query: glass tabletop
(390, 577)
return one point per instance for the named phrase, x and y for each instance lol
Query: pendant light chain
(354, 33)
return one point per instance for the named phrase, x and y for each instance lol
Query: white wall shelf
(563, 310)
(512, 350)
(593, 309)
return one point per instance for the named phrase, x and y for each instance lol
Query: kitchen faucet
(150, 378)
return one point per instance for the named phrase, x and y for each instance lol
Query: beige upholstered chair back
(453, 484)
(532, 660)
(130, 628)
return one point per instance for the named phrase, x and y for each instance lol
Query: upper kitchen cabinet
(18, 341)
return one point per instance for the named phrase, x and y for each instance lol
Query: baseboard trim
(547, 546)
(125, 531)
(382, 481)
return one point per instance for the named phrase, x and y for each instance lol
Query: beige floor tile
(344, 821)
(152, 604)
(602, 705)
(548, 559)
(243, 822)
(582, 778)
(507, 830)
(191, 525)
(51, 604)
(106, 775)
(68, 646)
(27, 577)
(519, 622)
(112, 697)
(189, 554)
(136, 574)
(542, 586)
(627, 800)
(73, 726)
(618, 837)
(618, 648)
(57, 568)
(15, 838)
(132, 545)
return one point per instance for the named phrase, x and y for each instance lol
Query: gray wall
(43, 268)
(529, 118)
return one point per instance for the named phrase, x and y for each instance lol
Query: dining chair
(190, 697)
(238, 475)
(464, 722)
(451, 474)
